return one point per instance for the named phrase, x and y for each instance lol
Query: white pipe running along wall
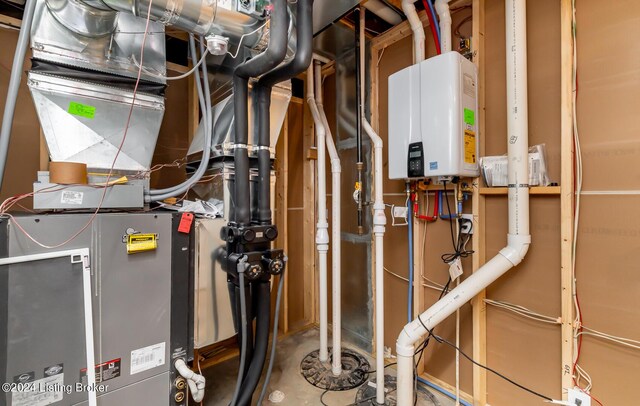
(195, 381)
(379, 222)
(322, 233)
(518, 239)
(416, 27)
(336, 229)
(442, 8)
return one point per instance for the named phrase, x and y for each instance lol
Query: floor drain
(367, 394)
(355, 371)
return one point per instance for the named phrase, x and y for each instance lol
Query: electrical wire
(234, 56)
(523, 311)
(192, 70)
(493, 371)
(115, 159)
(433, 24)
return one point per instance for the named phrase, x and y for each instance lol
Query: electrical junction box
(433, 119)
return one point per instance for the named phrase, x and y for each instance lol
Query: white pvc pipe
(442, 8)
(336, 255)
(322, 235)
(418, 31)
(195, 381)
(379, 222)
(383, 11)
(518, 239)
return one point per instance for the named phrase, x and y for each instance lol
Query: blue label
(433, 166)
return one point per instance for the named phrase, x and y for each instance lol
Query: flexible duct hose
(205, 106)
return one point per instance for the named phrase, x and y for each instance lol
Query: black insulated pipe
(359, 107)
(266, 61)
(263, 323)
(297, 65)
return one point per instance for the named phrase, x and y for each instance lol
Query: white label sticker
(42, 392)
(147, 358)
(455, 269)
(71, 197)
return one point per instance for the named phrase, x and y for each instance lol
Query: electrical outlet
(579, 398)
(400, 212)
(467, 225)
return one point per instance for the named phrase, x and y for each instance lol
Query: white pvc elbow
(195, 381)
(409, 10)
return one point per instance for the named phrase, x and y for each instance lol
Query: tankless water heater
(433, 119)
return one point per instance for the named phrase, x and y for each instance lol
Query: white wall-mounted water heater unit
(433, 119)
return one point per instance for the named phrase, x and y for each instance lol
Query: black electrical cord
(511, 381)
(459, 242)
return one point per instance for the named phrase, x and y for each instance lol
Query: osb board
(440, 363)
(608, 277)
(173, 140)
(526, 352)
(23, 159)
(608, 102)
(295, 266)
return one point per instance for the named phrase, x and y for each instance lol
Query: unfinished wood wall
(609, 82)
(607, 268)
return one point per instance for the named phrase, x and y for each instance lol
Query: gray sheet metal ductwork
(201, 17)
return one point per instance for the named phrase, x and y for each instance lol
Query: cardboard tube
(68, 173)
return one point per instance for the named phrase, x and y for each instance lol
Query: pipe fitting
(409, 10)
(322, 235)
(516, 249)
(195, 381)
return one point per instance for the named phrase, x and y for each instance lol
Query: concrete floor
(286, 378)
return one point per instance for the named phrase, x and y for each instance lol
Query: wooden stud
(567, 191)
(10, 21)
(478, 306)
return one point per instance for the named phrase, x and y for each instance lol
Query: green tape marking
(469, 116)
(83, 110)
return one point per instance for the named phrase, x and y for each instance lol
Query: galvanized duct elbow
(199, 17)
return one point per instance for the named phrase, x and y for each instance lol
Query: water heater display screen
(416, 154)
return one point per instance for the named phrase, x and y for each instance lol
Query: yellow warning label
(469, 147)
(141, 243)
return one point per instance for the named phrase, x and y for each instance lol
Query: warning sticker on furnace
(469, 147)
(104, 371)
(41, 392)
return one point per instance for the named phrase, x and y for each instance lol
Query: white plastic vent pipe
(442, 8)
(379, 222)
(336, 229)
(518, 239)
(409, 10)
(322, 233)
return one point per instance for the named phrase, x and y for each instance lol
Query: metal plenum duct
(200, 17)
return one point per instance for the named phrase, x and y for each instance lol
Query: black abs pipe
(254, 67)
(263, 323)
(299, 64)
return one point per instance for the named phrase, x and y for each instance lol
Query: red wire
(432, 25)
